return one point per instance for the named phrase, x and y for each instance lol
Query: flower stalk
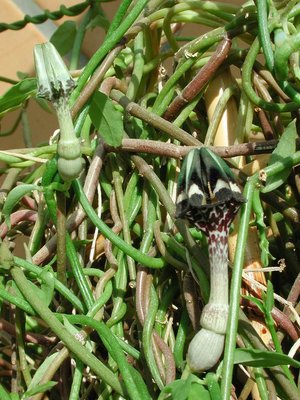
(55, 84)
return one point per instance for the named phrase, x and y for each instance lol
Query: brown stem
(284, 322)
(8, 183)
(29, 202)
(143, 284)
(190, 297)
(112, 83)
(200, 80)
(265, 124)
(153, 119)
(293, 295)
(289, 212)
(29, 337)
(16, 217)
(169, 367)
(175, 151)
(95, 80)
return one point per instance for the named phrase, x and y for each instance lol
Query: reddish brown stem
(293, 295)
(29, 337)
(284, 322)
(172, 150)
(265, 124)
(93, 84)
(15, 218)
(200, 80)
(29, 202)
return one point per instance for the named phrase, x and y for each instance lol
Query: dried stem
(175, 151)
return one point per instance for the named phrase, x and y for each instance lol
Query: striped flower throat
(208, 195)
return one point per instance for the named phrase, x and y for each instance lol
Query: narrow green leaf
(6, 257)
(106, 119)
(44, 104)
(41, 371)
(269, 302)
(3, 393)
(284, 149)
(13, 289)
(264, 359)
(41, 293)
(17, 94)
(256, 301)
(14, 196)
(47, 286)
(63, 37)
(39, 389)
(185, 389)
(213, 386)
(198, 392)
(99, 21)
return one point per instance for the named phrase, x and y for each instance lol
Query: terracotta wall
(16, 50)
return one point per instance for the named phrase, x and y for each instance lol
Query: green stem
(125, 225)
(113, 346)
(24, 367)
(80, 34)
(64, 291)
(61, 238)
(78, 273)
(77, 380)
(238, 268)
(234, 293)
(107, 232)
(109, 43)
(73, 345)
(137, 73)
(147, 337)
(219, 111)
(264, 34)
(247, 86)
(18, 302)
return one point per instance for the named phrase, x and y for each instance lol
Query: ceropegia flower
(56, 84)
(209, 198)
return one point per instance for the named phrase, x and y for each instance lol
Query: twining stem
(61, 237)
(237, 274)
(57, 327)
(200, 80)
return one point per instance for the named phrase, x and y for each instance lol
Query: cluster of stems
(106, 253)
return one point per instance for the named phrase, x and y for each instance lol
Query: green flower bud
(54, 79)
(56, 84)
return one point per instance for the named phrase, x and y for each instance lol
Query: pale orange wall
(16, 50)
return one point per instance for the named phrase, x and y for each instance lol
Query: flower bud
(53, 77)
